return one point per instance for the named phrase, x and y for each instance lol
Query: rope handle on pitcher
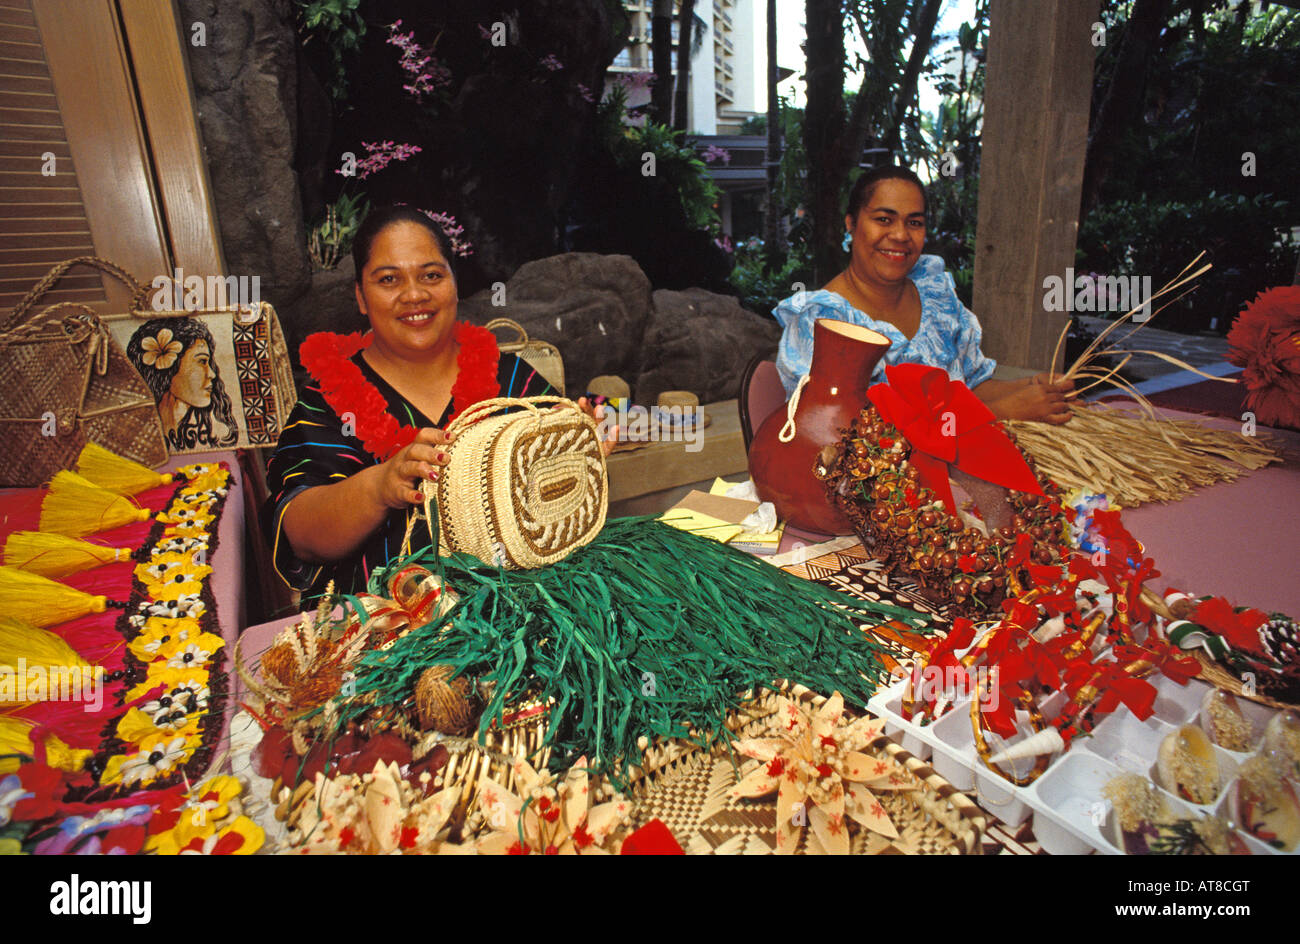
(791, 408)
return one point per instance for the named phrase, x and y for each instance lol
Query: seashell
(1282, 742)
(1046, 741)
(1225, 723)
(1266, 804)
(1050, 629)
(1188, 766)
(1138, 810)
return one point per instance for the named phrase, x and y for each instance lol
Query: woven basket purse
(542, 356)
(522, 489)
(64, 382)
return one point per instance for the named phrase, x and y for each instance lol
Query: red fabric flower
(1241, 630)
(1265, 340)
(654, 838)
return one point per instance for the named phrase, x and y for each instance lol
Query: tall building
(729, 50)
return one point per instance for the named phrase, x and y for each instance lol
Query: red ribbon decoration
(947, 425)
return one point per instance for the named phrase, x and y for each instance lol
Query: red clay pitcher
(785, 449)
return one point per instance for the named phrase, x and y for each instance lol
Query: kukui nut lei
(904, 524)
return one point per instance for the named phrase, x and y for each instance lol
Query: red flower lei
(328, 358)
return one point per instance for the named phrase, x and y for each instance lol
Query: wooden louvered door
(81, 82)
(42, 214)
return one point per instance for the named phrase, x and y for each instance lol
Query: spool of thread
(442, 702)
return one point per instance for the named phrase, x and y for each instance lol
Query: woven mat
(691, 796)
(850, 571)
(693, 803)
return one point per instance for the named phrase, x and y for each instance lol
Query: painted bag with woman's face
(220, 377)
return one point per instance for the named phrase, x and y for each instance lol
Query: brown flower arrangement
(907, 527)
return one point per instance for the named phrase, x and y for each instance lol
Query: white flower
(161, 352)
(150, 764)
(190, 657)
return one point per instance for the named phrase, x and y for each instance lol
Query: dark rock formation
(329, 304)
(700, 341)
(245, 90)
(599, 311)
(593, 308)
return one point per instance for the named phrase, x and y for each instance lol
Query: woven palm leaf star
(376, 814)
(547, 817)
(817, 766)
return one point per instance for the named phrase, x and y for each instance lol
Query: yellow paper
(696, 523)
(720, 487)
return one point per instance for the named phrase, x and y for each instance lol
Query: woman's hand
(398, 482)
(597, 414)
(1038, 398)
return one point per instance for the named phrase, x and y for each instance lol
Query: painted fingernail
(442, 457)
(433, 475)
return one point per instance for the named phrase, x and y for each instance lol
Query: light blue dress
(949, 335)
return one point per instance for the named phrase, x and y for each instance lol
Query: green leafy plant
(675, 160)
(339, 27)
(331, 238)
(1246, 239)
(759, 283)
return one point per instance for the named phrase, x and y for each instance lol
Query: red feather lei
(328, 358)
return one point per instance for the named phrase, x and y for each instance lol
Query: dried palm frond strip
(1133, 459)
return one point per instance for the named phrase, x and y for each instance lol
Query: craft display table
(658, 466)
(1234, 539)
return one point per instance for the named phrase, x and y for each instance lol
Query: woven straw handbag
(542, 356)
(522, 489)
(64, 382)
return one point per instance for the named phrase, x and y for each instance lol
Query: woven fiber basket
(65, 382)
(542, 356)
(523, 489)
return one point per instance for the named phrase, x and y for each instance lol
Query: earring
(847, 243)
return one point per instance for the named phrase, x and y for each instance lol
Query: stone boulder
(700, 341)
(329, 304)
(594, 308)
(245, 96)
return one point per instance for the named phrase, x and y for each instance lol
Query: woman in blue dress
(890, 287)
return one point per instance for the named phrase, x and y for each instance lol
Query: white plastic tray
(1071, 815)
